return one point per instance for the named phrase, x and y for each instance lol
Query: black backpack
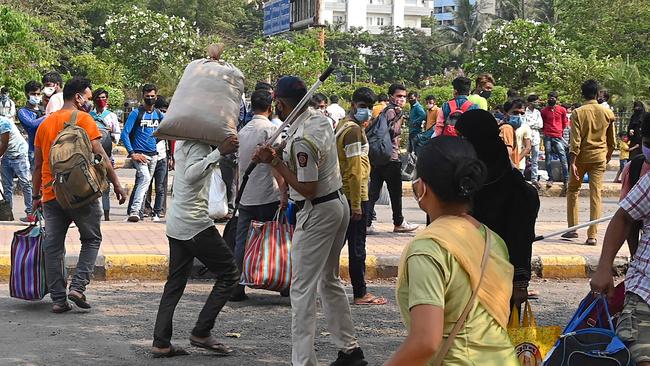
(380, 139)
(106, 140)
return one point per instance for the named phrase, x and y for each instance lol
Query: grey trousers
(57, 222)
(317, 242)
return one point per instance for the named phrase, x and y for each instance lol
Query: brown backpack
(78, 175)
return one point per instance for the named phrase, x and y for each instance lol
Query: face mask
(552, 102)
(415, 195)
(485, 94)
(150, 101)
(35, 100)
(646, 152)
(430, 105)
(48, 91)
(515, 121)
(4, 97)
(86, 106)
(399, 101)
(601, 100)
(102, 103)
(362, 114)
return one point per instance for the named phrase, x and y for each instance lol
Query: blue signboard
(277, 17)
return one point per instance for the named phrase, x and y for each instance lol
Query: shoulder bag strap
(73, 119)
(470, 304)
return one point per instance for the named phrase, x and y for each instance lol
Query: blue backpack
(380, 140)
(597, 346)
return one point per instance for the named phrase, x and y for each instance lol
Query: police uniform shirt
(311, 153)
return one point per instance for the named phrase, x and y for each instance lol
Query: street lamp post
(354, 67)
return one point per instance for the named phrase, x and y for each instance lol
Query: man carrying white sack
(309, 165)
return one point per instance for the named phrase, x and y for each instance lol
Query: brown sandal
(212, 344)
(371, 300)
(173, 352)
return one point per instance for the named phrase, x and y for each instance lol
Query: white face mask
(49, 91)
(418, 199)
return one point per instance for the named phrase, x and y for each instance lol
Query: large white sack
(205, 106)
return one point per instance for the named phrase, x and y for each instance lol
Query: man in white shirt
(192, 234)
(336, 112)
(7, 106)
(533, 118)
(53, 89)
(265, 191)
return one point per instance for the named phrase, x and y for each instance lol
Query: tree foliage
(471, 22)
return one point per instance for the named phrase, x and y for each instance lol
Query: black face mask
(485, 94)
(552, 102)
(149, 101)
(601, 100)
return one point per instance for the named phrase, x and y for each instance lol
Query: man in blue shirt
(140, 143)
(416, 117)
(31, 115)
(13, 150)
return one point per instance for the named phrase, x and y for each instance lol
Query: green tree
(148, 43)
(607, 27)
(470, 24)
(518, 53)
(25, 53)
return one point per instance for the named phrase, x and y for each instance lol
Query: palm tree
(470, 23)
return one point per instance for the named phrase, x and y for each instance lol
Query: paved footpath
(140, 250)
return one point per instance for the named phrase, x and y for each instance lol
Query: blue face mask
(515, 121)
(363, 114)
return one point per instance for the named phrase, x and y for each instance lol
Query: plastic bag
(531, 342)
(217, 198)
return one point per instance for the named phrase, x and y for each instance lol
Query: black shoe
(285, 293)
(570, 235)
(354, 358)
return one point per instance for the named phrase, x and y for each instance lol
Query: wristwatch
(276, 161)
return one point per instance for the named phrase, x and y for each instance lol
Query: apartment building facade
(373, 15)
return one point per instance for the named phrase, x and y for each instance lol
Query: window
(448, 22)
(369, 21)
(437, 10)
(448, 9)
(376, 2)
(380, 21)
(339, 19)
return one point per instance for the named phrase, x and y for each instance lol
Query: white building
(372, 15)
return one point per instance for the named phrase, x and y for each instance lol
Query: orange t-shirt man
(47, 132)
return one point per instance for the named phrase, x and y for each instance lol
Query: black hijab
(481, 129)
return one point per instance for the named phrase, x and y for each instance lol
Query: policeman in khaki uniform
(310, 167)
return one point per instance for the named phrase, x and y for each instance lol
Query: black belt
(326, 198)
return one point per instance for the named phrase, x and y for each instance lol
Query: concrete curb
(145, 267)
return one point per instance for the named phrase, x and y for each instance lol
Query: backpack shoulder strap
(73, 119)
(467, 105)
(453, 106)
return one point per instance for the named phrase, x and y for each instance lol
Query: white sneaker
(155, 218)
(405, 227)
(133, 218)
(372, 230)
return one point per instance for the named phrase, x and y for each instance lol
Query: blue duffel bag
(597, 346)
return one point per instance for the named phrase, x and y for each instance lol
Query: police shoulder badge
(302, 159)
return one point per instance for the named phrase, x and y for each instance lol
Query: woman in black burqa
(506, 203)
(634, 129)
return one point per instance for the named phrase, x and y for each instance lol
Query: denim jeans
(18, 167)
(30, 156)
(106, 199)
(556, 145)
(210, 248)
(390, 173)
(356, 238)
(57, 222)
(143, 175)
(160, 182)
(534, 163)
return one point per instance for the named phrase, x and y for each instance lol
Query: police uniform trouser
(317, 242)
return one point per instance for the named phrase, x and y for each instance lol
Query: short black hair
(512, 93)
(449, 165)
(334, 99)
(462, 85)
(146, 88)
(430, 97)
(4, 90)
(553, 94)
(365, 95)
(414, 94)
(317, 99)
(382, 97)
(263, 85)
(77, 85)
(32, 86)
(605, 95)
(532, 98)
(261, 100)
(52, 77)
(590, 89)
(645, 125)
(161, 102)
(395, 87)
(98, 92)
(514, 103)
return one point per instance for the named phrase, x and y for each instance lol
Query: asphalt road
(118, 330)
